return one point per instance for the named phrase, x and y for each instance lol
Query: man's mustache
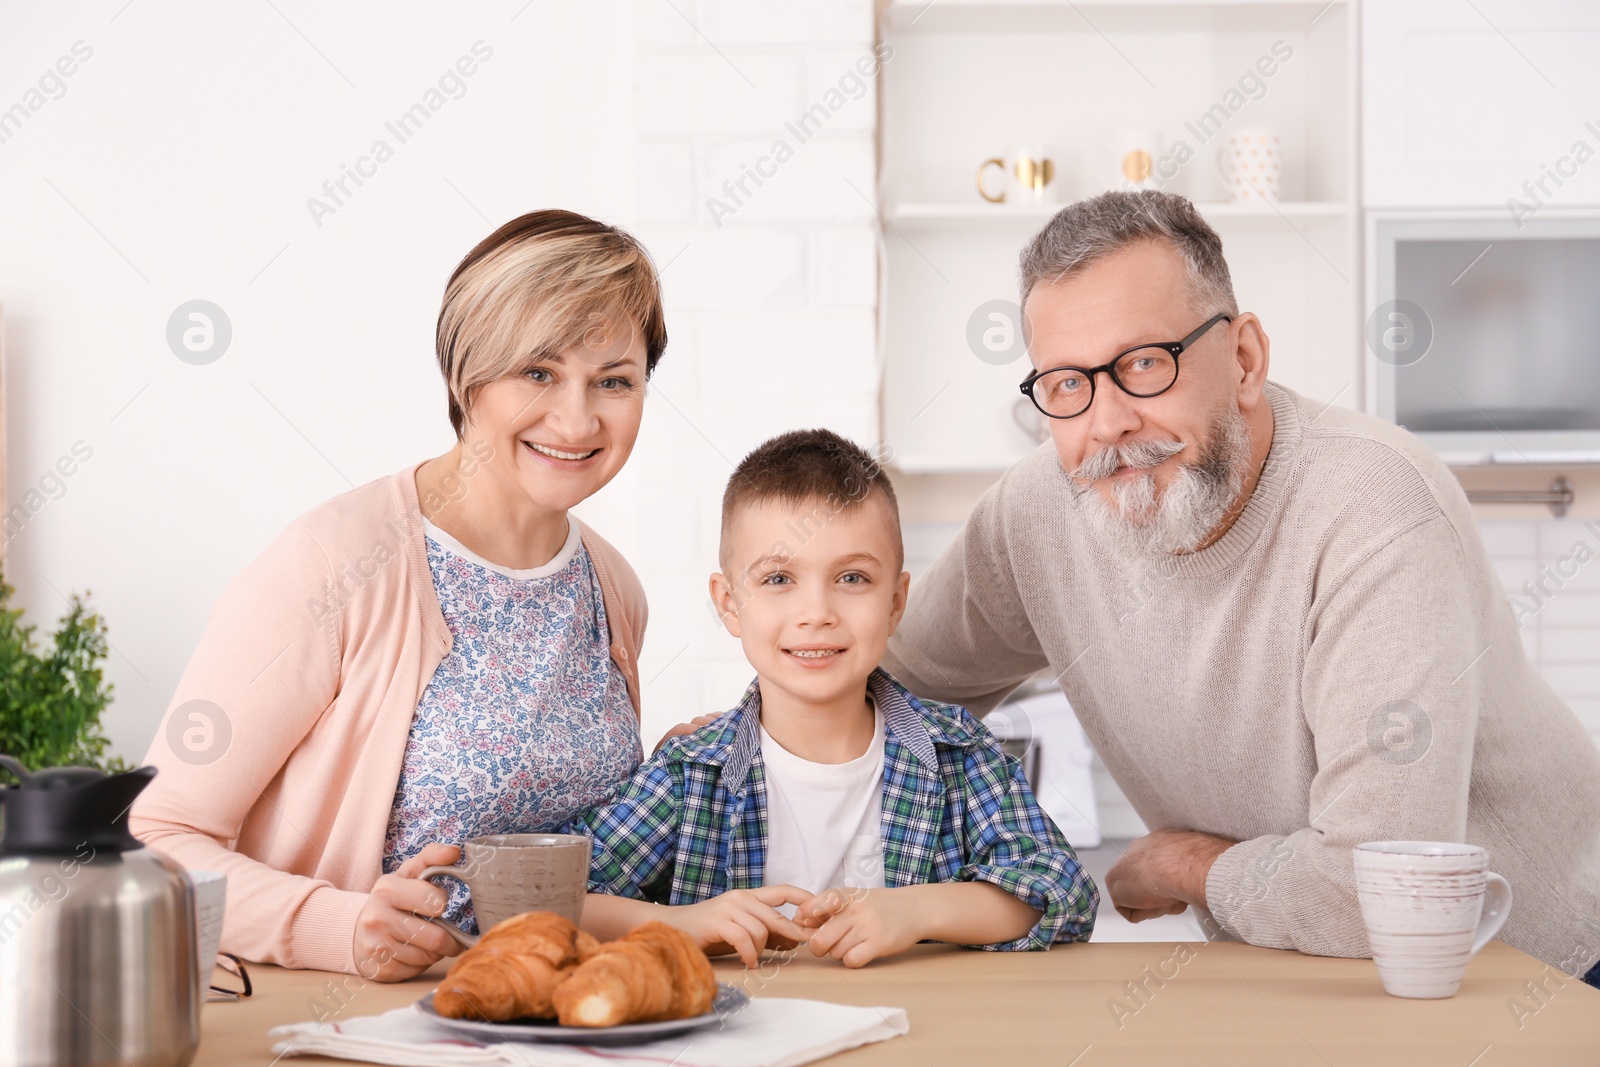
(1139, 455)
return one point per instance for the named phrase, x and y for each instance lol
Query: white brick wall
(771, 299)
(827, 179)
(713, 92)
(815, 22)
(1562, 635)
(743, 265)
(844, 266)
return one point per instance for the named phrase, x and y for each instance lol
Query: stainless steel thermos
(97, 932)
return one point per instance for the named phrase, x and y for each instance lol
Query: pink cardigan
(316, 655)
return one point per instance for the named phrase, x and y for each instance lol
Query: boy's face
(812, 593)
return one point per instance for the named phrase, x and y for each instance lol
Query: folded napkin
(768, 1032)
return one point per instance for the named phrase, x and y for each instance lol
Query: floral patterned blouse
(526, 722)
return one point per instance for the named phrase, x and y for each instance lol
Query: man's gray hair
(1091, 229)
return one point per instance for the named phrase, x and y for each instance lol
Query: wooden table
(1087, 1005)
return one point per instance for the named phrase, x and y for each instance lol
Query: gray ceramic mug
(508, 874)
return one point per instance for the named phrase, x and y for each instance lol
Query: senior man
(1273, 617)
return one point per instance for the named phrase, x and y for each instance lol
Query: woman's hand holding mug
(391, 944)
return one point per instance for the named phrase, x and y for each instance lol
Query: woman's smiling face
(564, 427)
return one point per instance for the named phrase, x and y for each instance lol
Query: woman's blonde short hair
(536, 286)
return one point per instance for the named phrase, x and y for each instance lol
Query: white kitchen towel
(769, 1032)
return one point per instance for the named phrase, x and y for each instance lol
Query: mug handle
(1029, 421)
(1496, 909)
(985, 165)
(1222, 160)
(461, 936)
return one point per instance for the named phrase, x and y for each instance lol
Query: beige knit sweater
(1341, 666)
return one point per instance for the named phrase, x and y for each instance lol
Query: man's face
(1129, 451)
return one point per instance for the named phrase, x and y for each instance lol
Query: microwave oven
(1483, 333)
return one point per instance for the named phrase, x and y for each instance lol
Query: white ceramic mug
(1134, 157)
(1250, 163)
(1030, 178)
(1429, 907)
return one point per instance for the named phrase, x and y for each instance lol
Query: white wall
(771, 309)
(1548, 569)
(177, 164)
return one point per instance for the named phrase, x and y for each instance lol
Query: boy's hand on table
(744, 921)
(390, 943)
(857, 926)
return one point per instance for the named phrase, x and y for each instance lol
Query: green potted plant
(51, 699)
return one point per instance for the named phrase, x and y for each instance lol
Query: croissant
(655, 973)
(513, 969)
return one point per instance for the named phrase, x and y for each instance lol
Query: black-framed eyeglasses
(1142, 371)
(233, 990)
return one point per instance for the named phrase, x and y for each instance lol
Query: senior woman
(442, 653)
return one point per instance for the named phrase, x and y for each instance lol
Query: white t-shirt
(824, 819)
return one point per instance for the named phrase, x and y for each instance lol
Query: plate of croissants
(536, 977)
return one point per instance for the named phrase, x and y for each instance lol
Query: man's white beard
(1144, 522)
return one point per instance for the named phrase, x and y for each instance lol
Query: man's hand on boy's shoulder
(686, 728)
(857, 926)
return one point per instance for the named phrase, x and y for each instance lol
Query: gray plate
(728, 1000)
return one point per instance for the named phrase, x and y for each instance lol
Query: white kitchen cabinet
(1494, 103)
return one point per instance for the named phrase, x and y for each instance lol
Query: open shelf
(933, 214)
(1103, 16)
(1532, 460)
(1082, 79)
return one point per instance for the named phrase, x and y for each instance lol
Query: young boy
(885, 819)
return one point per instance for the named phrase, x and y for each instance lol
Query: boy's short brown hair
(805, 466)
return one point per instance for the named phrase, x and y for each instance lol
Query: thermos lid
(60, 810)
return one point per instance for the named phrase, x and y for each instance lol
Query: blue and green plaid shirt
(691, 823)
